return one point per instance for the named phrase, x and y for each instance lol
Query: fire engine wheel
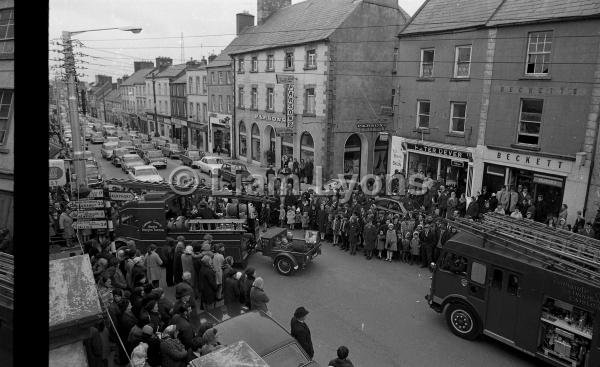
(462, 321)
(284, 266)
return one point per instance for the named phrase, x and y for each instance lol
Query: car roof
(142, 167)
(260, 331)
(131, 156)
(212, 156)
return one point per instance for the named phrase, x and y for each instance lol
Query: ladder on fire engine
(554, 252)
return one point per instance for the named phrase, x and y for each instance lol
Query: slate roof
(304, 22)
(137, 77)
(446, 15)
(113, 96)
(442, 15)
(172, 71)
(181, 80)
(519, 11)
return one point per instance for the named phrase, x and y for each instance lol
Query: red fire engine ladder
(518, 239)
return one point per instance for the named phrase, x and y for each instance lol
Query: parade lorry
(144, 220)
(534, 288)
(289, 253)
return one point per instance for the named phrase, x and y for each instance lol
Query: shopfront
(220, 133)
(448, 165)
(380, 157)
(243, 143)
(255, 142)
(352, 156)
(307, 148)
(197, 134)
(287, 147)
(541, 175)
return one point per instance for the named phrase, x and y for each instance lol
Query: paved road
(375, 308)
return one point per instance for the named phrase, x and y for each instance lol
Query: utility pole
(78, 160)
(156, 134)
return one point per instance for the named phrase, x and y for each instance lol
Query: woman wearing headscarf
(139, 356)
(209, 283)
(172, 350)
(258, 297)
(177, 266)
(187, 263)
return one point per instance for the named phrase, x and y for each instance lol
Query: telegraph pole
(156, 134)
(78, 160)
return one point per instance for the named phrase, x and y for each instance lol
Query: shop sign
(284, 79)
(452, 153)
(121, 196)
(397, 155)
(90, 224)
(259, 116)
(457, 163)
(529, 161)
(540, 91)
(290, 106)
(152, 226)
(56, 172)
(373, 125)
(90, 214)
(86, 204)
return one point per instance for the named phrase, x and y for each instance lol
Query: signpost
(121, 196)
(56, 172)
(90, 224)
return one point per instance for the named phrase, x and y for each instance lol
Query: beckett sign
(529, 161)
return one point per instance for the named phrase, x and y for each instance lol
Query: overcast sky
(207, 27)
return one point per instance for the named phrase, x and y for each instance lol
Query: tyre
(284, 265)
(463, 321)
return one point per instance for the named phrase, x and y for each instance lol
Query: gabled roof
(181, 80)
(304, 22)
(443, 15)
(114, 95)
(519, 11)
(172, 71)
(137, 77)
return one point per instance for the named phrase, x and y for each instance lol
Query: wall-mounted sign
(56, 172)
(290, 106)
(457, 163)
(370, 125)
(452, 153)
(121, 196)
(397, 155)
(529, 161)
(90, 224)
(259, 116)
(86, 204)
(90, 214)
(541, 91)
(284, 79)
(152, 226)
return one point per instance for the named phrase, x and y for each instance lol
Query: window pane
(478, 273)
(532, 105)
(423, 121)
(528, 139)
(424, 108)
(458, 110)
(530, 127)
(428, 56)
(458, 124)
(464, 54)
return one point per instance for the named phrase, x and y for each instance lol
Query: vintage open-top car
(289, 253)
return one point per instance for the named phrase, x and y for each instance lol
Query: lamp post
(78, 159)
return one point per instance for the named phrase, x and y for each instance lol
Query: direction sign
(121, 196)
(96, 193)
(90, 224)
(91, 214)
(87, 204)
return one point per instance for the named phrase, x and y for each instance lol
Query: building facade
(500, 96)
(133, 97)
(158, 97)
(197, 100)
(7, 115)
(179, 112)
(303, 96)
(220, 99)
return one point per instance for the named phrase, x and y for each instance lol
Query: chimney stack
(211, 58)
(163, 62)
(265, 8)
(203, 62)
(138, 65)
(243, 21)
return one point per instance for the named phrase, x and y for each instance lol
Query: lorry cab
(543, 301)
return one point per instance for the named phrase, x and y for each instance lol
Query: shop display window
(565, 332)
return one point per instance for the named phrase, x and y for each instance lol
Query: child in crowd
(282, 216)
(391, 242)
(298, 219)
(336, 229)
(329, 226)
(415, 248)
(291, 217)
(406, 247)
(305, 219)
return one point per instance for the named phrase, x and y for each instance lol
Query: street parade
(298, 196)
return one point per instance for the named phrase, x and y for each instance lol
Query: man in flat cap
(300, 331)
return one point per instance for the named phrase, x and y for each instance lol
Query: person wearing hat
(184, 291)
(231, 293)
(153, 264)
(428, 243)
(153, 352)
(217, 264)
(187, 263)
(208, 283)
(258, 297)
(139, 356)
(172, 351)
(301, 332)
(181, 319)
(245, 282)
(210, 342)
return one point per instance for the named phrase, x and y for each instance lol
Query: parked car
(131, 160)
(114, 139)
(229, 170)
(154, 158)
(108, 149)
(109, 130)
(97, 138)
(264, 335)
(125, 144)
(191, 158)
(210, 164)
(88, 134)
(93, 174)
(88, 155)
(143, 147)
(172, 150)
(145, 174)
(160, 142)
(118, 154)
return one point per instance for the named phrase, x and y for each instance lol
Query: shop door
(504, 294)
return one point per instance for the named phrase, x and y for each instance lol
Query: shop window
(254, 99)
(255, 135)
(289, 60)
(462, 62)
(307, 147)
(270, 63)
(241, 97)
(423, 111)
(478, 272)
(458, 114)
(270, 99)
(287, 146)
(309, 101)
(254, 68)
(566, 332)
(242, 135)
(539, 49)
(380, 158)
(530, 121)
(352, 156)
(427, 63)
(454, 263)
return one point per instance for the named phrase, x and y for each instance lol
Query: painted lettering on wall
(290, 106)
(440, 151)
(532, 161)
(538, 91)
(269, 118)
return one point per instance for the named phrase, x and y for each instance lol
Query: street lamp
(78, 159)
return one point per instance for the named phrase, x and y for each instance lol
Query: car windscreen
(288, 356)
(131, 158)
(146, 172)
(214, 161)
(154, 154)
(193, 154)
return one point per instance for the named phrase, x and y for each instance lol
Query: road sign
(96, 193)
(90, 224)
(87, 204)
(121, 196)
(56, 172)
(91, 214)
